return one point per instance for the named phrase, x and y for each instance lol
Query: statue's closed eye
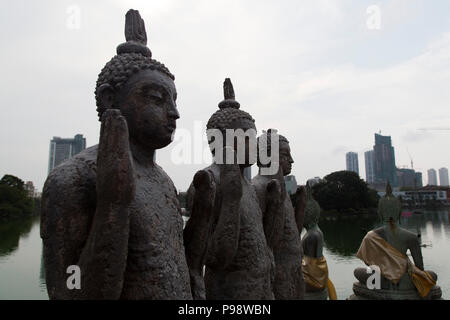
(153, 95)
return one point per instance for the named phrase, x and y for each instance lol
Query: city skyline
(432, 177)
(368, 161)
(351, 162)
(62, 149)
(316, 73)
(443, 177)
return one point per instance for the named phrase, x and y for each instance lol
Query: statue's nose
(173, 112)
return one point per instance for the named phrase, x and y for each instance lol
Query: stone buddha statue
(385, 250)
(318, 286)
(111, 211)
(225, 231)
(282, 223)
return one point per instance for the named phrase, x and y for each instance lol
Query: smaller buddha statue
(318, 285)
(225, 234)
(282, 221)
(385, 249)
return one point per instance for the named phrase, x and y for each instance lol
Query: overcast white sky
(312, 69)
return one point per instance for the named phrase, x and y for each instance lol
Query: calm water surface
(22, 274)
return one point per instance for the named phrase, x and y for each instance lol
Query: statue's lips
(171, 127)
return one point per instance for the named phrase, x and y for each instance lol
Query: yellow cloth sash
(393, 264)
(315, 271)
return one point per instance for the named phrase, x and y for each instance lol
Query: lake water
(22, 277)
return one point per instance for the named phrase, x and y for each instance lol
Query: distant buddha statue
(111, 212)
(282, 222)
(225, 231)
(385, 249)
(318, 285)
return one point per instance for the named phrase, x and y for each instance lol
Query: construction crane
(410, 158)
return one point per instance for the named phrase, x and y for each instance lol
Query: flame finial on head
(228, 90)
(388, 189)
(228, 93)
(135, 35)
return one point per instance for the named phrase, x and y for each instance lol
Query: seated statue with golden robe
(318, 286)
(390, 274)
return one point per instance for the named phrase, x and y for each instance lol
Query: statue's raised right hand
(230, 176)
(115, 173)
(205, 188)
(274, 193)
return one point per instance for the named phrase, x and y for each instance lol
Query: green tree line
(14, 199)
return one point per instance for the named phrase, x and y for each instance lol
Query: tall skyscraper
(406, 178)
(384, 161)
(62, 149)
(369, 161)
(443, 177)
(351, 159)
(432, 177)
(419, 180)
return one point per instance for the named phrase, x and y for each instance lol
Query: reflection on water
(22, 270)
(11, 232)
(343, 236)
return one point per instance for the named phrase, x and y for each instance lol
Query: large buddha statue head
(140, 87)
(284, 151)
(312, 209)
(230, 118)
(389, 207)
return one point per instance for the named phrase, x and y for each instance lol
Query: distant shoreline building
(406, 178)
(432, 177)
(369, 161)
(443, 177)
(351, 159)
(419, 180)
(313, 181)
(384, 161)
(62, 149)
(30, 189)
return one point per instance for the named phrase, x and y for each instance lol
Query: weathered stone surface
(111, 210)
(238, 261)
(361, 292)
(312, 242)
(402, 240)
(316, 295)
(281, 227)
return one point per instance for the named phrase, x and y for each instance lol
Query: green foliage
(344, 191)
(14, 200)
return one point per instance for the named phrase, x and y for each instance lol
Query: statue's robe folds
(155, 258)
(249, 273)
(287, 250)
(315, 271)
(393, 264)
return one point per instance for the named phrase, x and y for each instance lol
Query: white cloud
(310, 69)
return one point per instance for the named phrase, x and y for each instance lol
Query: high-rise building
(62, 149)
(351, 159)
(369, 161)
(443, 177)
(419, 180)
(291, 184)
(432, 177)
(406, 178)
(384, 161)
